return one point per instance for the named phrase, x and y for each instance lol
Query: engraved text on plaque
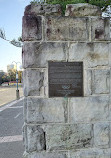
(65, 79)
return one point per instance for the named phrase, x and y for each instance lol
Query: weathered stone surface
(110, 54)
(66, 28)
(67, 137)
(100, 82)
(79, 126)
(49, 9)
(37, 54)
(89, 109)
(82, 9)
(32, 28)
(110, 109)
(97, 81)
(34, 138)
(45, 155)
(100, 29)
(101, 135)
(43, 110)
(33, 82)
(91, 153)
(110, 133)
(87, 82)
(27, 10)
(92, 54)
(42, 9)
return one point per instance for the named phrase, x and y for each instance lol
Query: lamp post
(17, 90)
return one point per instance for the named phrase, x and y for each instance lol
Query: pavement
(11, 122)
(8, 94)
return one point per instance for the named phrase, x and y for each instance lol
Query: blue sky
(11, 12)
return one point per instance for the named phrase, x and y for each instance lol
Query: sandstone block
(25, 109)
(88, 109)
(42, 110)
(34, 138)
(100, 29)
(42, 9)
(92, 54)
(45, 155)
(82, 10)
(66, 29)
(33, 82)
(67, 137)
(32, 28)
(49, 9)
(100, 82)
(110, 110)
(87, 82)
(96, 81)
(101, 135)
(91, 153)
(37, 54)
(110, 54)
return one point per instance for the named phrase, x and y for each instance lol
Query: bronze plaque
(65, 79)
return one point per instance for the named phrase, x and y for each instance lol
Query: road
(11, 122)
(8, 94)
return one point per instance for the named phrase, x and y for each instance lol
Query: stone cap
(82, 10)
(74, 10)
(43, 9)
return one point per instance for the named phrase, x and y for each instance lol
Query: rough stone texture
(91, 153)
(67, 137)
(34, 138)
(37, 54)
(87, 82)
(92, 54)
(82, 9)
(110, 109)
(79, 127)
(110, 132)
(100, 83)
(32, 28)
(101, 135)
(45, 155)
(33, 82)
(100, 29)
(110, 54)
(42, 9)
(87, 109)
(46, 110)
(97, 81)
(65, 29)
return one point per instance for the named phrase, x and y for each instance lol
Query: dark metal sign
(65, 79)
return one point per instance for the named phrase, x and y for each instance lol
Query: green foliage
(20, 76)
(5, 78)
(101, 3)
(63, 3)
(1, 76)
(12, 74)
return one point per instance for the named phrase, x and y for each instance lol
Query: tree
(20, 76)
(17, 43)
(1, 75)
(5, 78)
(12, 74)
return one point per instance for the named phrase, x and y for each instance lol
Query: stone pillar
(72, 127)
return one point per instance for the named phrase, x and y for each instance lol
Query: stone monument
(67, 87)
